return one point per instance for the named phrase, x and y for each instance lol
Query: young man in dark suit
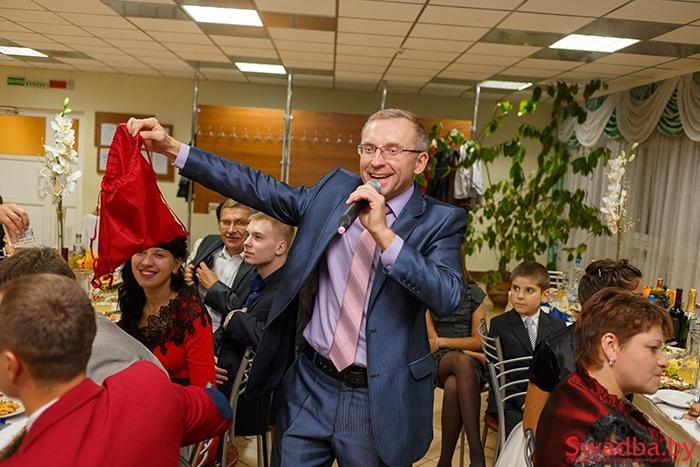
(521, 328)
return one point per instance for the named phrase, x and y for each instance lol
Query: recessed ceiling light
(21, 51)
(515, 85)
(261, 68)
(593, 43)
(211, 14)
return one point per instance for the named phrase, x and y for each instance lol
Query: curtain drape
(671, 106)
(664, 188)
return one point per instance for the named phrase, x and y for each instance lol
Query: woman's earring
(611, 362)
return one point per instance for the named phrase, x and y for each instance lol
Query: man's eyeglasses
(237, 223)
(391, 151)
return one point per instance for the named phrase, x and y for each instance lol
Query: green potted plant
(526, 213)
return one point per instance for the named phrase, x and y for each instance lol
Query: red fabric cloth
(138, 418)
(581, 416)
(133, 213)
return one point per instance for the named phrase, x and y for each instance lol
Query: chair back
(238, 387)
(504, 375)
(557, 279)
(529, 447)
(199, 455)
(490, 345)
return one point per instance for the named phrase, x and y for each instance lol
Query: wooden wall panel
(321, 141)
(22, 136)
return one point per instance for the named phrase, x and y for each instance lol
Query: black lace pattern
(174, 322)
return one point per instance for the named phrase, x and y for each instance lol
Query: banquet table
(677, 431)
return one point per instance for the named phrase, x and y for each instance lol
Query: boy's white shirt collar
(535, 318)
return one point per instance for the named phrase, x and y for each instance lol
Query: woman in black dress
(456, 346)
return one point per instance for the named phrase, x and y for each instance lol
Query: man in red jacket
(138, 417)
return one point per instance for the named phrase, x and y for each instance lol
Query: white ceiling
(435, 47)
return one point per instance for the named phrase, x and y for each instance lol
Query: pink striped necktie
(347, 332)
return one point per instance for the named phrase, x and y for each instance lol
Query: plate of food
(9, 407)
(674, 398)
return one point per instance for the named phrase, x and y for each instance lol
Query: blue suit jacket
(427, 273)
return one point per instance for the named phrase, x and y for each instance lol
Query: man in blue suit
(376, 408)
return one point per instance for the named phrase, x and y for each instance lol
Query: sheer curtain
(664, 200)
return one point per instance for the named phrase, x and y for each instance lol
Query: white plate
(675, 398)
(16, 412)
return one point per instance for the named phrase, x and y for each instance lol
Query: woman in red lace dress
(168, 317)
(587, 420)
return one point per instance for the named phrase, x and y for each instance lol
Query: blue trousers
(322, 420)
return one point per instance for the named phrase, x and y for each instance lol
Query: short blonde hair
(284, 232)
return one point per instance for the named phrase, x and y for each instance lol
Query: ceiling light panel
(209, 14)
(261, 68)
(21, 52)
(514, 85)
(593, 43)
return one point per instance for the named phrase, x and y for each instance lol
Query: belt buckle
(354, 380)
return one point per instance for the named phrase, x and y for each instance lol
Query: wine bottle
(677, 318)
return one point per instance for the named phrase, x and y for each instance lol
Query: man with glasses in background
(349, 313)
(218, 267)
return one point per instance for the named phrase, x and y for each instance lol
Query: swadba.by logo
(628, 449)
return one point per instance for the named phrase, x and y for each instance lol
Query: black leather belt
(354, 376)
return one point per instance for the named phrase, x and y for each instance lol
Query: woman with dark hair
(456, 347)
(587, 420)
(168, 317)
(553, 358)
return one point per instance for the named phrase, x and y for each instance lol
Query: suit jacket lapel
(403, 226)
(242, 274)
(519, 330)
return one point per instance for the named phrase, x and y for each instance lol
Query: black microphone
(356, 208)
